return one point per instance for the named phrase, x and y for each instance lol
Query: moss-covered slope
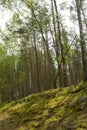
(59, 109)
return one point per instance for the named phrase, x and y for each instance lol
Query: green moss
(49, 110)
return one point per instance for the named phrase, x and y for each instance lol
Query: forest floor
(57, 109)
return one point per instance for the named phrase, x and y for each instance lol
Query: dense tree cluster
(37, 52)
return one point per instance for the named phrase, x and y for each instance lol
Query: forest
(43, 65)
(39, 50)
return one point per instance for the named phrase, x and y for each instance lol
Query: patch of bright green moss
(49, 110)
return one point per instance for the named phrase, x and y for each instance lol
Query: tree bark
(82, 41)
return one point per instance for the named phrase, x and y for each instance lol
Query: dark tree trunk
(82, 41)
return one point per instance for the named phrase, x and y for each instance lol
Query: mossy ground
(59, 109)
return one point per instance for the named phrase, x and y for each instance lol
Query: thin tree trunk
(56, 42)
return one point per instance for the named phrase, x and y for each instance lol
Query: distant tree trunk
(45, 69)
(37, 69)
(82, 41)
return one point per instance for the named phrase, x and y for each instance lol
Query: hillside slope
(59, 109)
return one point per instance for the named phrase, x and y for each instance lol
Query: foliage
(37, 50)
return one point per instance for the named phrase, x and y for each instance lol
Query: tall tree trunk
(62, 79)
(56, 42)
(82, 41)
(37, 69)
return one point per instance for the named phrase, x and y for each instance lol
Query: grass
(57, 109)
